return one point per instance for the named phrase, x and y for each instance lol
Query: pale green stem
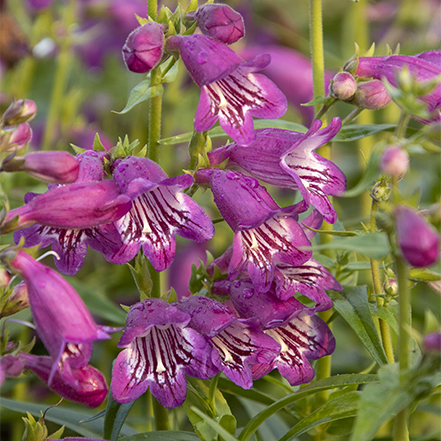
(161, 416)
(155, 118)
(351, 116)
(400, 130)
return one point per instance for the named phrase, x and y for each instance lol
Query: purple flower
(432, 342)
(160, 350)
(144, 47)
(71, 244)
(62, 320)
(220, 22)
(10, 366)
(230, 90)
(160, 210)
(52, 167)
(417, 239)
(388, 67)
(286, 159)
(433, 57)
(394, 161)
(263, 231)
(236, 345)
(85, 385)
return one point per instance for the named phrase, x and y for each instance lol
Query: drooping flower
(231, 91)
(85, 385)
(237, 346)
(144, 47)
(220, 22)
(160, 349)
(71, 244)
(62, 320)
(160, 210)
(417, 239)
(263, 231)
(286, 159)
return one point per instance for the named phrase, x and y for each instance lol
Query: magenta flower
(85, 385)
(371, 95)
(237, 346)
(16, 138)
(394, 161)
(10, 366)
(160, 349)
(144, 47)
(419, 66)
(263, 231)
(417, 239)
(231, 91)
(220, 22)
(286, 159)
(160, 210)
(62, 320)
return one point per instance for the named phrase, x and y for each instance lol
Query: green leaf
(423, 275)
(141, 92)
(333, 232)
(218, 132)
(314, 387)
(116, 414)
(164, 435)
(353, 306)
(373, 245)
(344, 406)
(64, 416)
(169, 71)
(353, 132)
(317, 100)
(215, 425)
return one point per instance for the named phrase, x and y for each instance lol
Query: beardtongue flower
(10, 366)
(343, 86)
(71, 244)
(237, 346)
(144, 47)
(220, 22)
(286, 159)
(160, 210)
(263, 231)
(85, 385)
(433, 57)
(371, 95)
(417, 239)
(231, 91)
(422, 70)
(62, 320)
(160, 349)
(52, 167)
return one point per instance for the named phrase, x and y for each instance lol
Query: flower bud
(51, 167)
(10, 366)
(17, 301)
(418, 240)
(5, 278)
(394, 161)
(219, 22)
(343, 86)
(390, 287)
(380, 191)
(371, 95)
(144, 47)
(15, 139)
(19, 112)
(432, 342)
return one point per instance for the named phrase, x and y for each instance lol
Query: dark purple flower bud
(371, 95)
(85, 385)
(52, 167)
(343, 86)
(432, 342)
(10, 366)
(79, 205)
(144, 47)
(394, 161)
(220, 22)
(19, 112)
(418, 240)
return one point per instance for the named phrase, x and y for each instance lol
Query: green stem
(325, 108)
(161, 416)
(351, 116)
(400, 130)
(155, 118)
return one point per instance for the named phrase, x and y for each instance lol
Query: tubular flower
(71, 244)
(85, 385)
(160, 349)
(424, 67)
(160, 210)
(231, 91)
(62, 320)
(286, 159)
(237, 346)
(263, 231)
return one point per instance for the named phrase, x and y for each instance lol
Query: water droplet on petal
(202, 57)
(248, 293)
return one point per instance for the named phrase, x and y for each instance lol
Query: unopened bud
(390, 287)
(380, 191)
(16, 139)
(5, 278)
(19, 112)
(371, 95)
(394, 161)
(432, 342)
(17, 301)
(52, 167)
(220, 22)
(144, 47)
(343, 86)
